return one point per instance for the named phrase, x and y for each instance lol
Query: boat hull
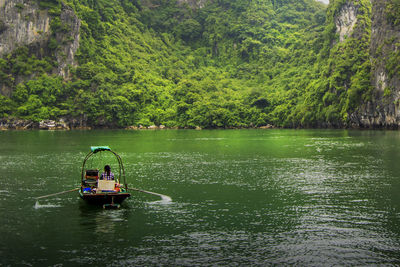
(105, 198)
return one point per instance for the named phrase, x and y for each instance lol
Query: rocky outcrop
(53, 125)
(17, 124)
(24, 23)
(60, 124)
(383, 110)
(69, 39)
(346, 20)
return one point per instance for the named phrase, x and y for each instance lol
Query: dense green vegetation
(344, 73)
(229, 64)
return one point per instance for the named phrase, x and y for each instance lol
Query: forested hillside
(191, 63)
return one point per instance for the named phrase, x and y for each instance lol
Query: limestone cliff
(346, 20)
(346, 62)
(383, 110)
(69, 40)
(24, 23)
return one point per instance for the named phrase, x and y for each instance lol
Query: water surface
(239, 198)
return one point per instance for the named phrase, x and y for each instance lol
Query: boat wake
(164, 200)
(40, 206)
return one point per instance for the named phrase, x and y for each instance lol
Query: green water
(239, 198)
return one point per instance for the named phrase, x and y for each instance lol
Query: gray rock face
(346, 20)
(53, 125)
(384, 108)
(65, 54)
(21, 23)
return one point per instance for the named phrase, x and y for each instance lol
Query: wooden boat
(95, 190)
(109, 193)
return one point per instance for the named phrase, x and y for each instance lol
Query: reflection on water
(248, 197)
(104, 222)
(99, 221)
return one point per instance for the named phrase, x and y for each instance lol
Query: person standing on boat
(107, 174)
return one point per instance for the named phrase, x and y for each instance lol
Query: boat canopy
(96, 149)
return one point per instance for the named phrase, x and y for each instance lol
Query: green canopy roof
(96, 149)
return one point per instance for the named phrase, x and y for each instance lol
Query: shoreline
(66, 125)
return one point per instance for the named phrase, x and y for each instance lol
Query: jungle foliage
(228, 64)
